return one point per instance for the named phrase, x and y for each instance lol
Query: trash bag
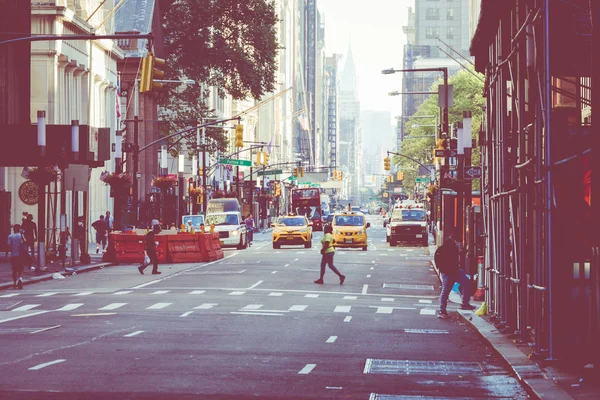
(57, 276)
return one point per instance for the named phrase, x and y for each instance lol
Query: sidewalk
(556, 381)
(52, 267)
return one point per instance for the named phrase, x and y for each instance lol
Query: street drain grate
(9, 305)
(409, 367)
(411, 287)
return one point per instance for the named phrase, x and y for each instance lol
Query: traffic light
(265, 158)
(296, 171)
(340, 175)
(301, 171)
(400, 175)
(386, 164)
(277, 189)
(151, 72)
(335, 174)
(239, 135)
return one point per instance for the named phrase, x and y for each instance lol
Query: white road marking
(46, 294)
(334, 387)
(364, 289)
(350, 297)
(205, 306)
(46, 329)
(122, 292)
(307, 368)
(83, 294)
(255, 285)
(236, 293)
(112, 306)
(390, 249)
(132, 334)
(275, 294)
(425, 301)
(428, 331)
(387, 299)
(373, 262)
(23, 316)
(70, 307)
(296, 259)
(286, 265)
(312, 296)
(158, 306)
(427, 311)
(26, 307)
(385, 254)
(198, 292)
(372, 268)
(331, 339)
(94, 314)
(342, 309)
(10, 295)
(160, 292)
(251, 307)
(185, 314)
(347, 319)
(44, 365)
(384, 310)
(274, 272)
(300, 252)
(297, 308)
(143, 285)
(368, 276)
(255, 313)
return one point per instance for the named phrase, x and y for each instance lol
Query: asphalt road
(253, 325)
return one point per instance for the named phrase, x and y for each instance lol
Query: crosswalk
(423, 307)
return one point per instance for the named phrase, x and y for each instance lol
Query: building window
(450, 14)
(432, 14)
(432, 32)
(450, 32)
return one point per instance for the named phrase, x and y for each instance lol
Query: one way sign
(472, 173)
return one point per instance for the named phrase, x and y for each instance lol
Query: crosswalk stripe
(83, 294)
(133, 334)
(384, 310)
(252, 307)
(350, 297)
(10, 295)
(425, 301)
(387, 299)
(122, 292)
(297, 308)
(69, 307)
(276, 294)
(205, 306)
(312, 296)
(347, 319)
(236, 293)
(427, 311)
(160, 292)
(198, 292)
(185, 314)
(158, 306)
(26, 307)
(112, 306)
(331, 339)
(46, 294)
(342, 309)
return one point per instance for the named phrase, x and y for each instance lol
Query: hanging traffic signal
(277, 189)
(301, 171)
(386, 164)
(239, 135)
(334, 174)
(340, 175)
(400, 175)
(152, 70)
(259, 158)
(265, 158)
(296, 171)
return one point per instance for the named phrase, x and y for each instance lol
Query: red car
(317, 223)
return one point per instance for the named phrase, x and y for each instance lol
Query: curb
(531, 376)
(48, 276)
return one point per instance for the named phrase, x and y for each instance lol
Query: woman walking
(328, 252)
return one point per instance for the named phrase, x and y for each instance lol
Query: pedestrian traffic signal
(239, 135)
(386, 164)
(152, 70)
(266, 158)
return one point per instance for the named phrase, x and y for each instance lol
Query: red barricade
(204, 245)
(216, 246)
(161, 249)
(128, 248)
(183, 247)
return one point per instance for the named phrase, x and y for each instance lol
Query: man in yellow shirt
(328, 252)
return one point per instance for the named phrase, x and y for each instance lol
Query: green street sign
(239, 163)
(422, 180)
(270, 172)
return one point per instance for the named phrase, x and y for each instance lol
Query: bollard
(480, 292)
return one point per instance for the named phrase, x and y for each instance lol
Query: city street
(252, 325)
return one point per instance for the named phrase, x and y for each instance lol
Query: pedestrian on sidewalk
(447, 261)
(328, 251)
(151, 251)
(101, 228)
(18, 253)
(30, 234)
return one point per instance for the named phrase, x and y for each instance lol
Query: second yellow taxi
(350, 230)
(292, 230)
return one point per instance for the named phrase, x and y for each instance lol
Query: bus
(307, 202)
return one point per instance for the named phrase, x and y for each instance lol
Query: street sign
(270, 172)
(472, 173)
(440, 152)
(239, 163)
(421, 179)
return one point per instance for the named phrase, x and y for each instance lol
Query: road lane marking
(46, 294)
(425, 301)
(143, 285)
(237, 293)
(83, 294)
(160, 292)
(348, 319)
(331, 339)
(44, 365)
(387, 299)
(384, 310)
(23, 316)
(10, 295)
(427, 331)
(312, 296)
(372, 268)
(255, 313)
(286, 265)
(373, 262)
(275, 294)
(26, 307)
(255, 285)
(364, 289)
(45, 329)
(427, 311)
(342, 309)
(132, 334)
(334, 387)
(94, 314)
(274, 272)
(205, 306)
(251, 307)
(198, 292)
(122, 292)
(350, 297)
(158, 306)
(307, 368)
(368, 276)
(112, 306)
(297, 308)
(69, 307)
(185, 314)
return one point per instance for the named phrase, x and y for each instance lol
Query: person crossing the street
(150, 245)
(328, 251)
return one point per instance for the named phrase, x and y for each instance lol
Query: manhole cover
(411, 287)
(408, 367)
(8, 305)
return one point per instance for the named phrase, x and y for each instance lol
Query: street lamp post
(180, 189)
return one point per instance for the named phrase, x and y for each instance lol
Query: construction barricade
(216, 245)
(183, 247)
(204, 243)
(128, 248)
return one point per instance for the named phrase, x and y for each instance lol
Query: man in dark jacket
(151, 251)
(447, 260)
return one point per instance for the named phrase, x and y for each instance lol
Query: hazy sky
(374, 30)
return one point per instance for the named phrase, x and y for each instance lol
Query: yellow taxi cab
(350, 230)
(292, 230)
